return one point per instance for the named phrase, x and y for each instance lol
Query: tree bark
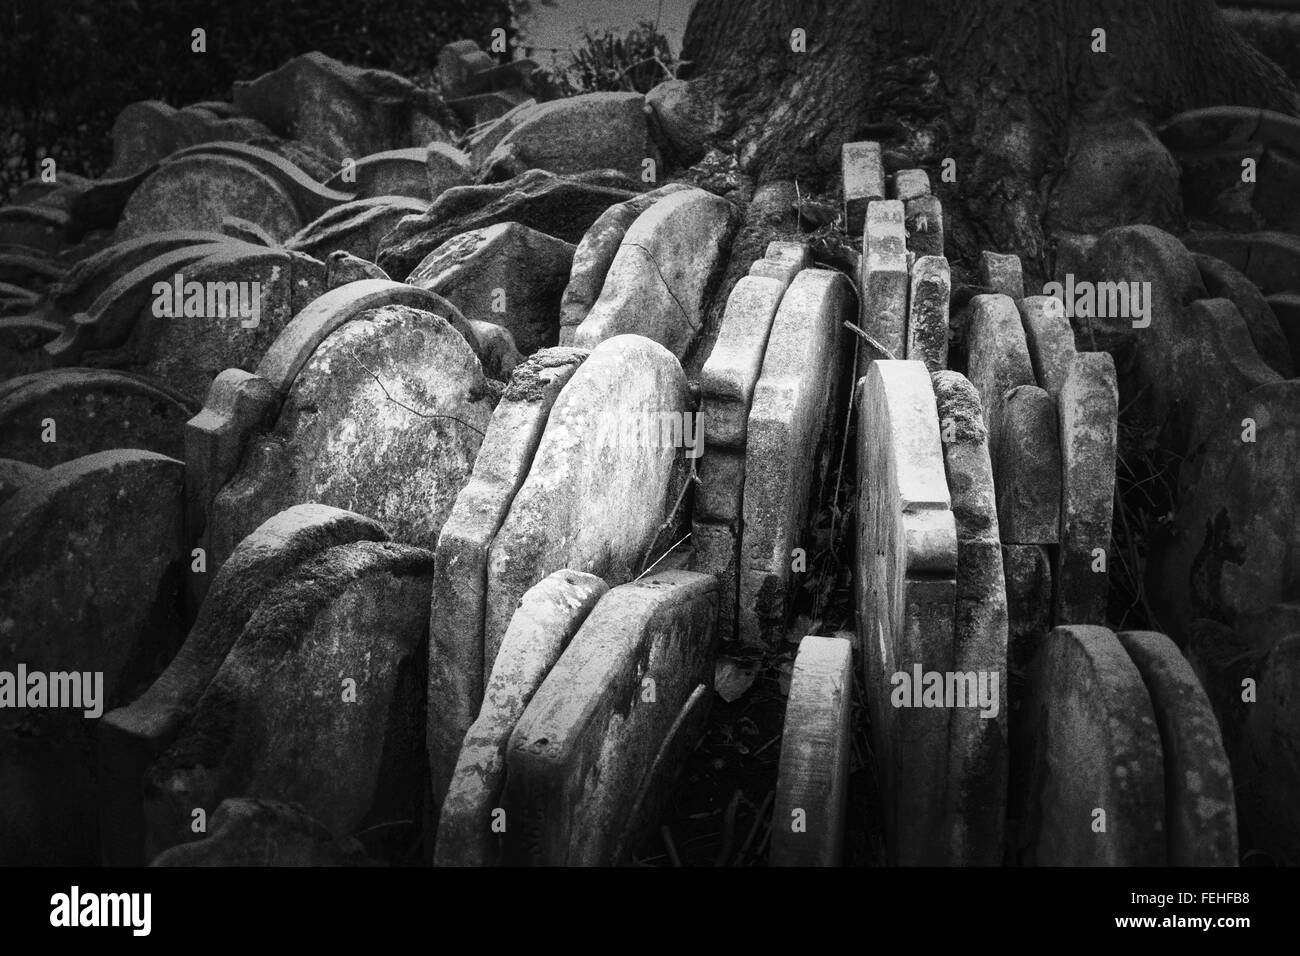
(997, 85)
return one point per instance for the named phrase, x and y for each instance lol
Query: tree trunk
(998, 85)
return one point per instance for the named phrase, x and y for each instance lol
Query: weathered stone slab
(319, 702)
(385, 418)
(1091, 746)
(343, 111)
(590, 131)
(910, 184)
(445, 166)
(602, 483)
(15, 476)
(595, 253)
(656, 284)
(198, 191)
(290, 165)
(497, 350)
(358, 227)
(506, 274)
(884, 282)
(589, 736)
(248, 299)
(89, 278)
(149, 131)
(92, 410)
(248, 832)
(998, 356)
(927, 321)
(34, 228)
(906, 595)
(92, 561)
(863, 181)
(393, 172)
(1050, 340)
(1028, 467)
(1200, 815)
(549, 614)
(1222, 281)
(977, 748)
(1236, 531)
(1001, 272)
(813, 778)
(132, 737)
(560, 206)
(109, 320)
(1088, 409)
(457, 675)
(787, 420)
(923, 217)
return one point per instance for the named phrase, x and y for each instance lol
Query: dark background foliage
(67, 67)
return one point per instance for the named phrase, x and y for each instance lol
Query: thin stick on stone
(667, 836)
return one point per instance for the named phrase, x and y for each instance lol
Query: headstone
(664, 266)
(1200, 814)
(132, 737)
(864, 181)
(92, 410)
(686, 117)
(884, 281)
(1028, 467)
(92, 564)
(590, 734)
(927, 322)
(923, 218)
(344, 111)
(997, 358)
(149, 131)
(248, 832)
(445, 166)
(319, 701)
(457, 674)
(594, 254)
(1093, 786)
(1236, 531)
(357, 227)
(808, 821)
(788, 419)
(906, 595)
(589, 131)
(1001, 272)
(294, 165)
(1088, 410)
(549, 614)
(603, 482)
(910, 184)
(506, 274)
(393, 172)
(560, 206)
(1223, 281)
(977, 749)
(198, 191)
(1050, 340)
(385, 418)
(248, 297)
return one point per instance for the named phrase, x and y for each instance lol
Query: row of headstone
(582, 468)
(1119, 759)
(728, 382)
(596, 697)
